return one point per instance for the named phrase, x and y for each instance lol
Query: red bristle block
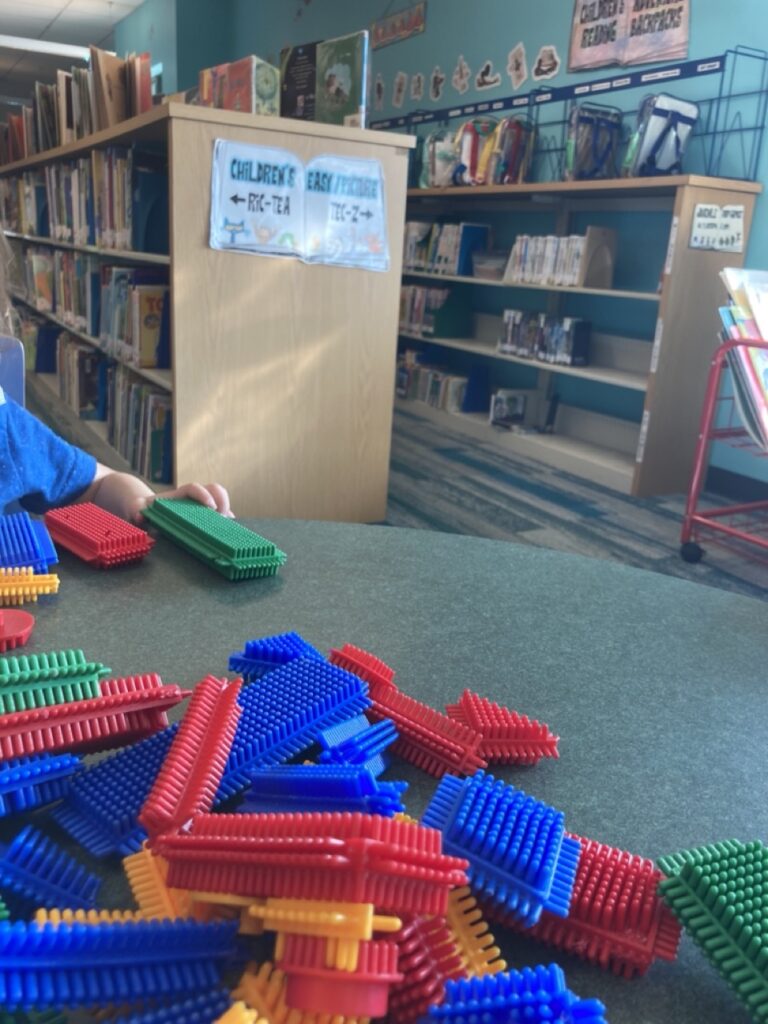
(427, 957)
(15, 628)
(316, 988)
(508, 737)
(362, 664)
(97, 536)
(190, 776)
(617, 920)
(148, 682)
(100, 723)
(360, 858)
(426, 738)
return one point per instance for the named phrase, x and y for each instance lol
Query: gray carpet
(442, 480)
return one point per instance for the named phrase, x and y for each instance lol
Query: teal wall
(151, 27)
(480, 31)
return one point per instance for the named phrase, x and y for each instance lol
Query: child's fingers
(221, 497)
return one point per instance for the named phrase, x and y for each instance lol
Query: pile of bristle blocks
(261, 822)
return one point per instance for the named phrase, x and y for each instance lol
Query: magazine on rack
(747, 318)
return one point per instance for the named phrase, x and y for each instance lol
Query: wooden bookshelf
(281, 370)
(93, 250)
(669, 367)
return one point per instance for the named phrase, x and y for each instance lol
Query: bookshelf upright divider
(654, 453)
(280, 371)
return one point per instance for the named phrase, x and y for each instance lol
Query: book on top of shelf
(138, 71)
(298, 81)
(212, 86)
(252, 87)
(108, 75)
(341, 84)
(65, 125)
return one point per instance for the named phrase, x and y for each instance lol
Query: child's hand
(211, 495)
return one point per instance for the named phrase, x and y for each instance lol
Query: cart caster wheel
(691, 552)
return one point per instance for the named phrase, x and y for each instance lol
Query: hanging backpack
(657, 146)
(593, 141)
(474, 146)
(438, 159)
(512, 151)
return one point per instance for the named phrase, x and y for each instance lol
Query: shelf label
(657, 345)
(671, 246)
(643, 436)
(266, 201)
(720, 228)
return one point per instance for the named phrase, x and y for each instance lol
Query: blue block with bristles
(28, 782)
(533, 995)
(365, 746)
(519, 856)
(71, 965)
(197, 1010)
(25, 542)
(321, 787)
(268, 653)
(35, 869)
(283, 718)
(102, 808)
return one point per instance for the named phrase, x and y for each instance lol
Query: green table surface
(657, 687)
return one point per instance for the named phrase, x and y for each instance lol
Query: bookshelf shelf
(603, 375)
(258, 401)
(93, 250)
(656, 445)
(162, 378)
(612, 293)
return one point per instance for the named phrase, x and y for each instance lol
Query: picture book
(298, 69)
(252, 87)
(65, 124)
(341, 80)
(109, 85)
(507, 407)
(212, 84)
(147, 316)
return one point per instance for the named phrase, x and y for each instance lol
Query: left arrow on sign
(236, 199)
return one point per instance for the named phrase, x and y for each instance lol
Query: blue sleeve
(38, 468)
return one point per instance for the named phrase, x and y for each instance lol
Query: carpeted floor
(442, 480)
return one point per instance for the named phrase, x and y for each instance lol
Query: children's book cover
(212, 86)
(253, 87)
(342, 67)
(298, 69)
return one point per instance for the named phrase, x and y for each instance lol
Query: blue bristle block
(26, 542)
(519, 856)
(197, 1010)
(267, 653)
(102, 808)
(280, 720)
(318, 787)
(29, 782)
(38, 871)
(72, 965)
(364, 747)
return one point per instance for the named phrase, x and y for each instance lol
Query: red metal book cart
(721, 421)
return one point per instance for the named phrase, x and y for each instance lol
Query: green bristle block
(719, 893)
(37, 680)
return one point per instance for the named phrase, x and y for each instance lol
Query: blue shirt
(38, 468)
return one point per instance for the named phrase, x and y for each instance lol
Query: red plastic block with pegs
(190, 776)
(426, 738)
(617, 920)
(129, 709)
(427, 956)
(361, 663)
(97, 536)
(15, 628)
(316, 988)
(508, 737)
(359, 858)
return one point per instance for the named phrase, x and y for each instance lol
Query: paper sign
(617, 32)
(717, 227)
(345, 214)
(266, 201)
(257, 200)
(399, 26)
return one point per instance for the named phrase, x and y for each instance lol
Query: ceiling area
(74, 22)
